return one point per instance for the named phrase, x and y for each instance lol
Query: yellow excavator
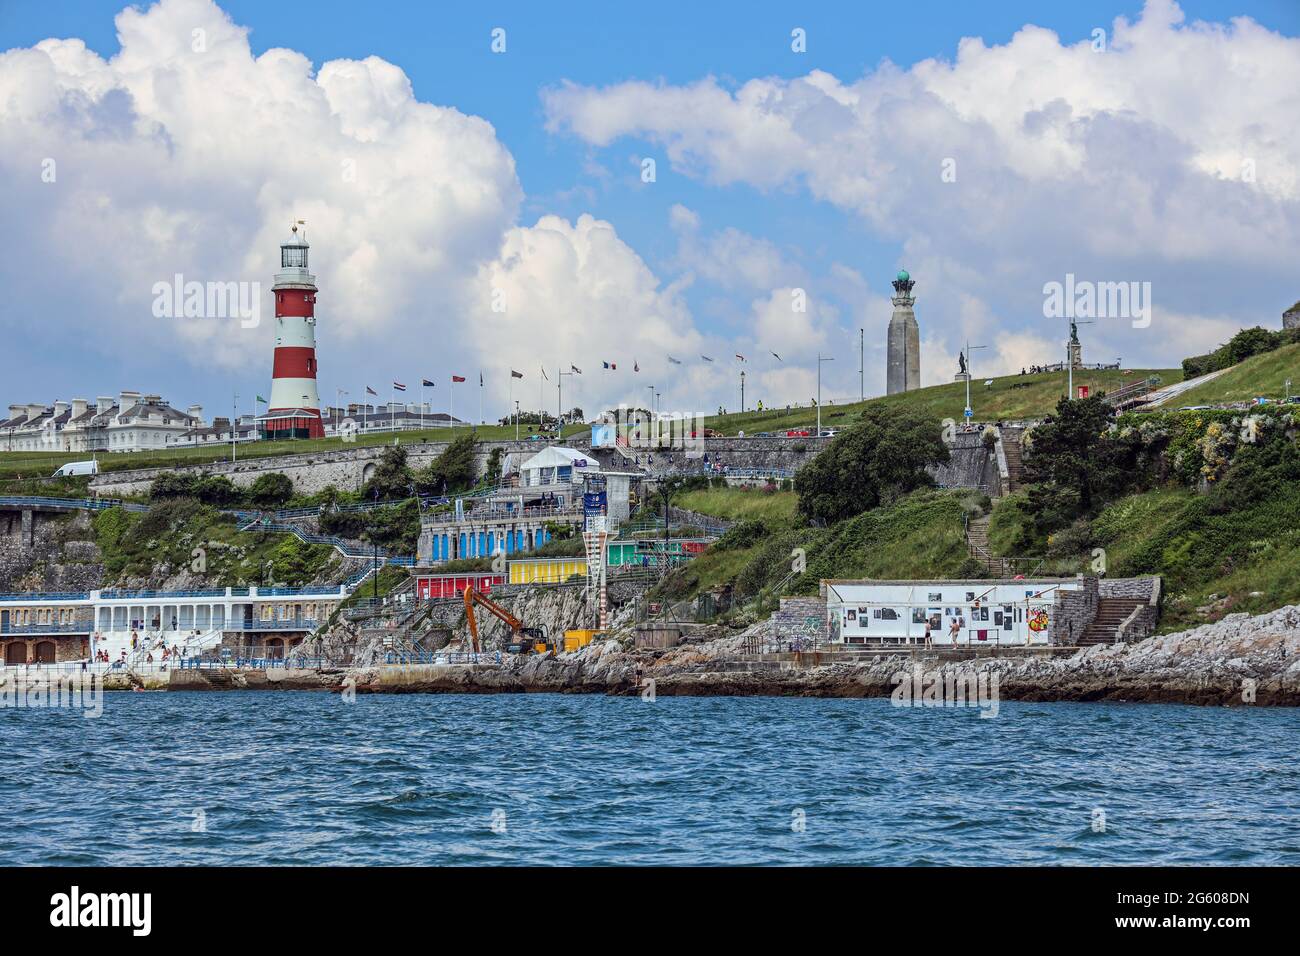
(523, 640)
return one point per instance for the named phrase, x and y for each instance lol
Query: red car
(797, 433)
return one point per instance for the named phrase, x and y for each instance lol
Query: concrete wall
(346, 468)
(1145, 588)
(1073, 611)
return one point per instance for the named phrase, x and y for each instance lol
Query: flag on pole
(775, 356)
(575, 370)
(371, 391)
(613, 366)
(544, 375)
(425, 383)
(706, 358)
(399, 386)
(458, 378)
(635, 366)
(739, 356)
(480, 379)
(674, 361)
(514, 374)
(262, 400)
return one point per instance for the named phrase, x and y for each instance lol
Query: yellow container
(546, 570)
(573, 640)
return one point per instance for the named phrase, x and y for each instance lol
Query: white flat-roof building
(975, 613)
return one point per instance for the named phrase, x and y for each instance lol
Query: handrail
(43, 596)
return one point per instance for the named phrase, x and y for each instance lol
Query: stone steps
(1015, 462)
(1111, 613)
(977, 543)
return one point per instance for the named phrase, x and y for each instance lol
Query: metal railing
(80, 504)
(404, 658)
(46, 596)
(292, 624)
(252, 660)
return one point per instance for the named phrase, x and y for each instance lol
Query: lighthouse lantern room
(294, 408)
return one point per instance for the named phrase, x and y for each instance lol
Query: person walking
(928, 642)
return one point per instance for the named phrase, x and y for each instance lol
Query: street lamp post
(819, 390)
(862, 388)
(516, 419)
(970, 414)
(559, 420)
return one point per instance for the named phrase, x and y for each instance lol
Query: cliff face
(59, 555)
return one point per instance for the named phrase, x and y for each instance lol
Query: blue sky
(564, 172)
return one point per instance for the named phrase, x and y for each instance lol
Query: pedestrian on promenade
(928, 643)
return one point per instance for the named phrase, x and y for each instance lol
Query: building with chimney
(131, 421)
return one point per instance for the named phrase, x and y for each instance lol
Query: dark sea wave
(279, 779)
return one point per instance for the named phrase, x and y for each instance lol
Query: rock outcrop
(1239, 660)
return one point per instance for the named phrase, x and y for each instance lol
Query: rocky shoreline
(1240, 660)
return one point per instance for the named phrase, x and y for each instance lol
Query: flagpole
(480, 397)
(451, 404)
(421, 403)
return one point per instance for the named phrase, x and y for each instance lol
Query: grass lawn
(738, 504)
(26, 464)
(1009, 398)
(1260, 376)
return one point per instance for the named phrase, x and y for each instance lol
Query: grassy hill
(185, 534)
(920, 535)
(1258, 376)
(1009, 398)
(1213, 561)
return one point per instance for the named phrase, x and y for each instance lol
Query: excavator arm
(473, 597)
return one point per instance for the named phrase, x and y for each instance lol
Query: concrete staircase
(977, 543)
(1015, 464)
(1111, 613)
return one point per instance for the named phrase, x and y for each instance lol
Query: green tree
(1072, 453)
(492, 474)
(271, 490)
(882, 456)
(391, 479)
(454, 470)
(172, 484)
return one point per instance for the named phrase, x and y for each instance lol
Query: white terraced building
(129, 422)
(51, 628)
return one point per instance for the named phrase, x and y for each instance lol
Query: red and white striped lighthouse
(294, 409)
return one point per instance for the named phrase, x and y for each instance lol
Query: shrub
(883, 456)
(271, 490)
